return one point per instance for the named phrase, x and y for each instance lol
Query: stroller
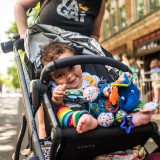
(67, 144)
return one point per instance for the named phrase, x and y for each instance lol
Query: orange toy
(113, 97)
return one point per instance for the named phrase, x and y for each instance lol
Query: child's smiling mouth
(73, 81)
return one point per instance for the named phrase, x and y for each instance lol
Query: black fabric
(29, 66)
(32, 69)
(98, 70)
(69, 15)
(108, 54)
(101, 141)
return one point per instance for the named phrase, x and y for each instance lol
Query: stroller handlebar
(8, 46)
(81, 59)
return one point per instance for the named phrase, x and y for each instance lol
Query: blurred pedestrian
(133, 63)
(155, 77)
(125, 59)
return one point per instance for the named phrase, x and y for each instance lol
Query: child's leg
(156, 90)
(82, 120)
(41, 123)
(156, 94)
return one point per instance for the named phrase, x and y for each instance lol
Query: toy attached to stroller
(66, 142)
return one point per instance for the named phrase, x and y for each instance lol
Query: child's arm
(57, 94)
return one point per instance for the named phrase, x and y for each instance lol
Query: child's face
(71, 76)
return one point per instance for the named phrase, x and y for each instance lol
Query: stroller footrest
(101, 141)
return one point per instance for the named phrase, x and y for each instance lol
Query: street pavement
(11, 109)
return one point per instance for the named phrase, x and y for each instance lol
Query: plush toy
(128, 97)
(91, 93)
(105, 119)
(110, 93)
(97, 98)
(149, 107)
(105, 90)
(119, 116)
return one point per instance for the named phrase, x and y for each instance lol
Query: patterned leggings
(68, 117)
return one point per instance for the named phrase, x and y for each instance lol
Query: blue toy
(124, 125)
(128, 96)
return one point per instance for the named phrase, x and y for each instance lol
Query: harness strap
(43, 4)
(83, 102)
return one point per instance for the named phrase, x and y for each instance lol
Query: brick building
(132, 27)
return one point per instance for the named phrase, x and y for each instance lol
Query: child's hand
(58, 93)
(121, 77)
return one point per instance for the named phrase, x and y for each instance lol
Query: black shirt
(72, 15)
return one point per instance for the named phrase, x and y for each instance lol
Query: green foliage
(13, 76)
(32, 16)
(12, 30)
(1, 78)
(12, 80)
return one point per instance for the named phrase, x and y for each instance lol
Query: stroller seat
(67, 144)
(101, 141)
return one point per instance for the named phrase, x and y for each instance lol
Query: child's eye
(71, 67)
(59, 75)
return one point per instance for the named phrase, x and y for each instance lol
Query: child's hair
(53, 50)
(155, 63)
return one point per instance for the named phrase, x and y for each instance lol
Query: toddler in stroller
(64, 140)
(72, 82)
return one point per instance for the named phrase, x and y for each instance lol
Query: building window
(106, 23)
(114, 17)
(154, 4)
(122, 17)
(122, 14)
(139, 9)
(107, 28)
(114, 22)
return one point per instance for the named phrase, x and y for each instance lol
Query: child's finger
(59, 92)
(64, 87)
(57, 99)
(60, 88)
(57, 96)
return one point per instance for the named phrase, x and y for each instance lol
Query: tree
(12, 80)
(1, 81)
(12, 72)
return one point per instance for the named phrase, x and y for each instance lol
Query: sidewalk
(156, 118)
(10, 95)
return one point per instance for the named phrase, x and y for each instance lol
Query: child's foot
(139, 118)
(86, 123)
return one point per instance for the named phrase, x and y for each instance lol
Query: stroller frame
(62, 138)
